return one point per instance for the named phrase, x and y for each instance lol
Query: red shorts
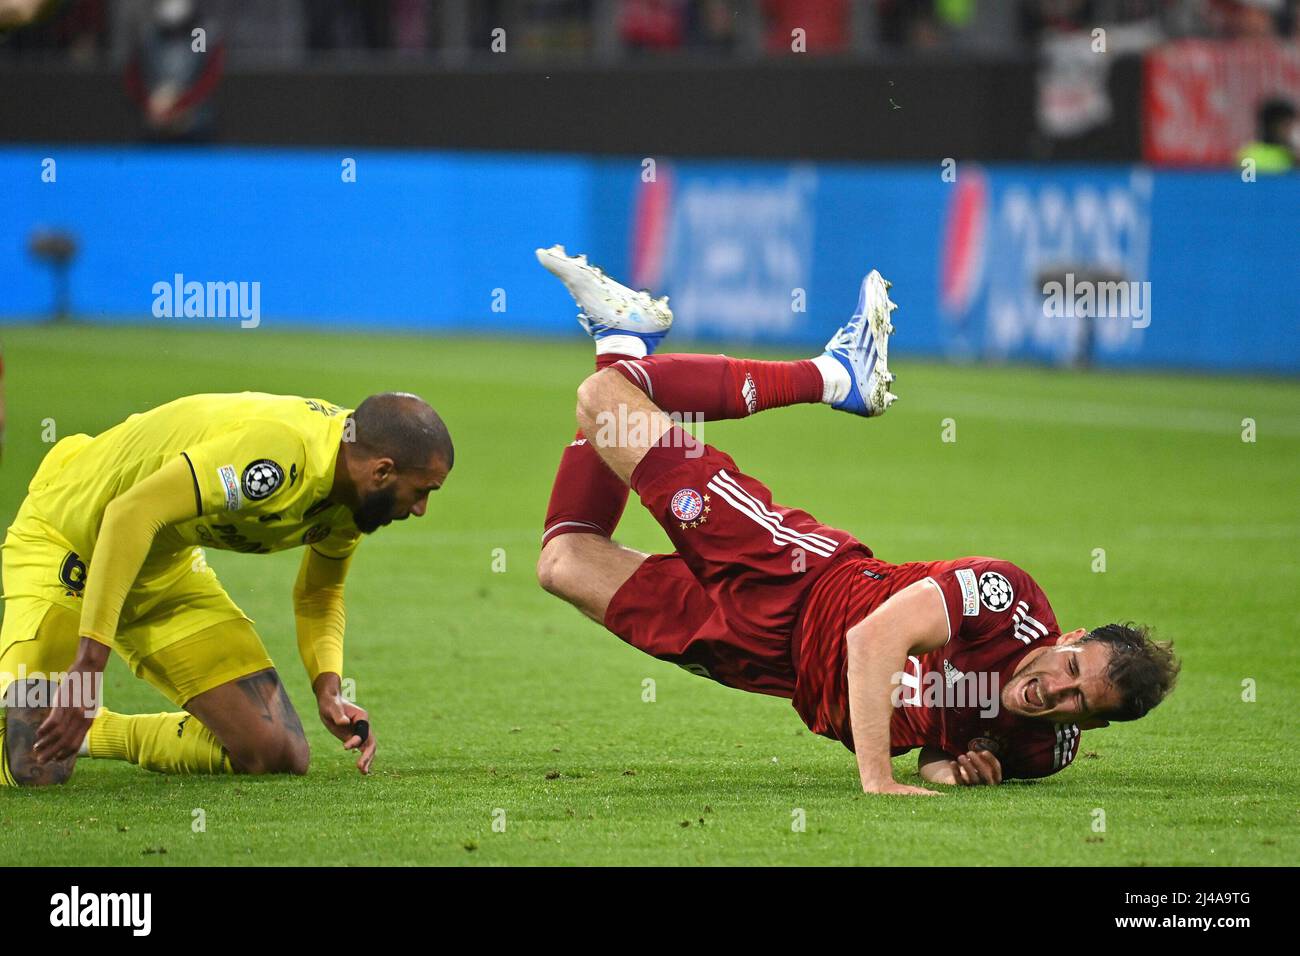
(725, 604)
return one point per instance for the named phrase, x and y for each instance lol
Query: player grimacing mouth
(1068, 680)
(1033, 694)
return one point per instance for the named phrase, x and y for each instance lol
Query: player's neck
(343, 489)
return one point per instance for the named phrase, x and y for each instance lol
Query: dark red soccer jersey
(948, 698)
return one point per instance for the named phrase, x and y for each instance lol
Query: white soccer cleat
(608, 307)
(861, 346)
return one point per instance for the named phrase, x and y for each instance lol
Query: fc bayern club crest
(261, 478)
(687, 505)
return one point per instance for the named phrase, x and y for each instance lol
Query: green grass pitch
(492, 700)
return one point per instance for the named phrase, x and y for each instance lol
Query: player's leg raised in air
(725, 601)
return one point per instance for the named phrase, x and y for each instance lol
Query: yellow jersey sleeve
(319, 612)
(339, 545)
(130, 523)
(252, 469)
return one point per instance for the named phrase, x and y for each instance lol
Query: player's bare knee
(548, 566)
(279, 754)
(26, 705)
(273, 740)
(26, 772)
(296, 758)
(553, 564)
(246, 761)
(287, 752)
(589, 393)
(593, 397)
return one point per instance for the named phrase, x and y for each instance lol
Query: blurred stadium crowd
(1086, 131)
(296, 31)
(1218, 83)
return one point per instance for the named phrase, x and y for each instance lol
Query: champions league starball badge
(995, 591)
(261, 478)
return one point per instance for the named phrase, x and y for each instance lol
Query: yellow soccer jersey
(263, 466)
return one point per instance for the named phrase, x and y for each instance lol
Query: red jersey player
(963, 659)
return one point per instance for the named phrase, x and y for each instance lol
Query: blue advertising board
(1125, 265)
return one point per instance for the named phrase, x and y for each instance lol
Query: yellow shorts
(180, 671)
(174, 596)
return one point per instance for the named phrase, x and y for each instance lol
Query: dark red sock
(718, 387)
(587, 498)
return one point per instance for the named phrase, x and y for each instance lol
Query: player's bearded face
(397, 494)
(377, 508)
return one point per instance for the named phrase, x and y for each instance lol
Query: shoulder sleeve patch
(996, 591)
(261, 478)
(250, 468)
(970, 601)
(230, 484)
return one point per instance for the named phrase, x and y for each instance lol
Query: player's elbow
(869, 640)
(861, 638)
(116, 512)
(129, 515)
(310, 599)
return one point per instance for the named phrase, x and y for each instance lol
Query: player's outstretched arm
(913, 621)
(320, 616)
(126, 533)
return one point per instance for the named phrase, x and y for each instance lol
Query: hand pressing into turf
(345, 720)
(976, 768)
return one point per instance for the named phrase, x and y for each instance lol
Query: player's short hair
(403, 427)
(1143, 670)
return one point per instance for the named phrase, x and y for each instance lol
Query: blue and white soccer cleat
(608, 307)
(862, 347)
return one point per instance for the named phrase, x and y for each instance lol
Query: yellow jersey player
(106, 552)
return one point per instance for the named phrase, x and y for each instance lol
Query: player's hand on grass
(346, 721)
(977, 767)
(74, 704)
